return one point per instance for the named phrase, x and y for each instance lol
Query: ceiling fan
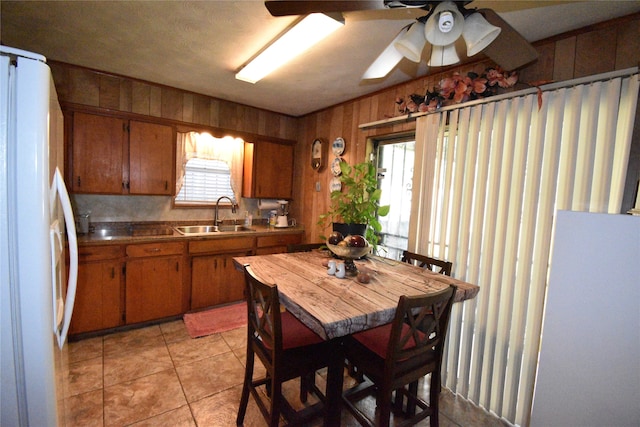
(444, 22)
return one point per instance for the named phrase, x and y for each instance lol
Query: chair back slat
(420, 325)
(427, 262)
(263, 312)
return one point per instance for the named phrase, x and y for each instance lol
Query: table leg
(335, 377)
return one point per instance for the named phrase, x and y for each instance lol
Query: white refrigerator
(36, 227)
(589, 365)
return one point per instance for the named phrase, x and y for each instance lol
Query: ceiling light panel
(306, 33)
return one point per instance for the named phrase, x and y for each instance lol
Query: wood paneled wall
(86, 87)
(608, 46)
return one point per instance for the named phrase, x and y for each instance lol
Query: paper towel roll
(268, 204)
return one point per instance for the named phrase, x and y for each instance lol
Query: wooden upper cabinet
(268, 170)
(99, 154)
(151, 158)
(112, 155)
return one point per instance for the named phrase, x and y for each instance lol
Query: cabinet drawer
(155, 249)
(279, 240)
(221, 245)
(99, 253)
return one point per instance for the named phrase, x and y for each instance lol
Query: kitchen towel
(216, 320)
(268, 204)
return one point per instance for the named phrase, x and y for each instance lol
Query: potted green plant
(357, 203)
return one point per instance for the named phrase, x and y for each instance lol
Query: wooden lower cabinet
(133, 283)
(99, 302)
(155, 281)
(214, 277)
(277, 243)
(215, 280)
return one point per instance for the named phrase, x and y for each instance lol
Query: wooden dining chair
(304, 247)
(287, 348)
(394, 357)
(433, 264)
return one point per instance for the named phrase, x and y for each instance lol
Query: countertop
(124, 233)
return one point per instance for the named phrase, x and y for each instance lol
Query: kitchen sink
(208, 229)
(110, 233)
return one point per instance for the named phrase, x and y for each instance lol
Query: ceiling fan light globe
(411, 43)
(445, 16)
(442, 56)
(478, 33)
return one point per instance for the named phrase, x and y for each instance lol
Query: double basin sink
(209, 229)
(190, 230)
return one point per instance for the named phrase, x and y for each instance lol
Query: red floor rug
(216, 320)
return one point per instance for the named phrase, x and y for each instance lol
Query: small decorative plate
(335, 184)
(338, 146)
(335, 166)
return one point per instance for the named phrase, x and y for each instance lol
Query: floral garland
(458, 89)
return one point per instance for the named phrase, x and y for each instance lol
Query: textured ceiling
(199, 45)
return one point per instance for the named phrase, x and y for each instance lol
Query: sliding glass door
(395, 172)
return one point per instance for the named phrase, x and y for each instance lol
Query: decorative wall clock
(318, 154)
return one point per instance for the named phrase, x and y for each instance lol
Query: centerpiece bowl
(348, 254)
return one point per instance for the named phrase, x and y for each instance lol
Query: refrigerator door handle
(55, 239)
(60, 190)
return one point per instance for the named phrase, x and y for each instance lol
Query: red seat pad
(295, 333)
(377, 339)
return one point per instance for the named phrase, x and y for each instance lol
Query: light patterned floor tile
(142, 398)
(209, 376)
(85, 410)
(180, 417)
(190, 350)
(136, 363)
(131, 341)
(85, 376)
(174, 331)
(145, 377)
(85, 349)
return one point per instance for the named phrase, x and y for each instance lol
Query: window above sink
(207, 168)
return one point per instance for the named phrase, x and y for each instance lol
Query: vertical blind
(493, 175)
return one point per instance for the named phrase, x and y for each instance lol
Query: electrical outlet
(318, 186)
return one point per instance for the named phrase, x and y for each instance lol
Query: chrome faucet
(217, 221)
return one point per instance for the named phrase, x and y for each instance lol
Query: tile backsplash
(152, 208)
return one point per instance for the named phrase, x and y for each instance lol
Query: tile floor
(159, 376)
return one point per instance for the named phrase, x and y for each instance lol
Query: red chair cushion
(377, 339)
(295, 333)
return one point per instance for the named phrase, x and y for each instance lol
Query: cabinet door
(99, 150)
(151, 158)
(277, 243)
(98, 297)
(154, 288)
(215, 280)
(268, 170)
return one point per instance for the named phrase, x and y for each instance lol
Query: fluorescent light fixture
(306, 33)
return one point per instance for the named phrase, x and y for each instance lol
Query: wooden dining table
(336, 307)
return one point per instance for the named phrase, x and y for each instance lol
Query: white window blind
(205, 181)
(493, 175)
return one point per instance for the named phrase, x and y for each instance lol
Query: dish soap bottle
(248, 219)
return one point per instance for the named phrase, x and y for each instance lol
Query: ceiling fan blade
(511, 5)
(509, 50)
(386, 61)
(303, 7)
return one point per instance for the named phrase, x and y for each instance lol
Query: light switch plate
(318, 186)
